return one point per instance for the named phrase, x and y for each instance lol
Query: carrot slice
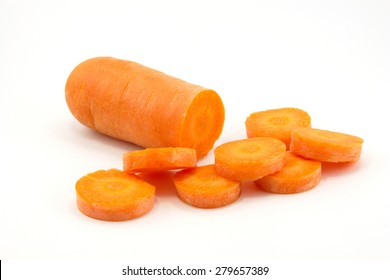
(159, 159)
(297, 175)
(249, 159)
(325, 145)
(203, 187)
(276, 123)
(113, 195)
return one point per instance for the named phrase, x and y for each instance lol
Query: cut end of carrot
(297, 175)
(159, 159)
(249, 159)
(202, 187)
(276, 123)
(113, 195)
(203, 122)
(325, 145)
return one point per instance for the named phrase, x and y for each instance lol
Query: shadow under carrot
(331, 169)
(162, 180)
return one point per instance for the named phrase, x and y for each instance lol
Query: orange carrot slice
(297, 175)
(325, 145)
(159, 159)
(113, 195)
(249, 159)
(276, 123)
(132, 102)
(202, 187)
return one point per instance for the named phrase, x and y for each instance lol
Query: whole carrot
(132, 102)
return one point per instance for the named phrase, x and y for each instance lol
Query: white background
(330, 58)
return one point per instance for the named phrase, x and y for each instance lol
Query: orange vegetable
(297, 175)
(203, 187)
(113, 195)
(325, 145)
(159, 159)
(132, 102)
(276, 123)
(249, 159)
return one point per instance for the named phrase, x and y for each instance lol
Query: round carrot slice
(159, 159)
(203, 187)
(297, 175)
(113, 195)
(249, 159)
(325, 145)
(276, 123)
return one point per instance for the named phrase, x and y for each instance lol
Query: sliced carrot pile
(159, 159)
(203, 187)
(178, 123)
(249, 159)
(276, 123)
(325, 145)
(113, 195)
(297, 175)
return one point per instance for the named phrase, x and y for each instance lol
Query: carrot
(132, 102)
(276, 123)
(249, 159)
(202, 187)
(159, 159)
(113, 195)
(325, 145)
(297, 175)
